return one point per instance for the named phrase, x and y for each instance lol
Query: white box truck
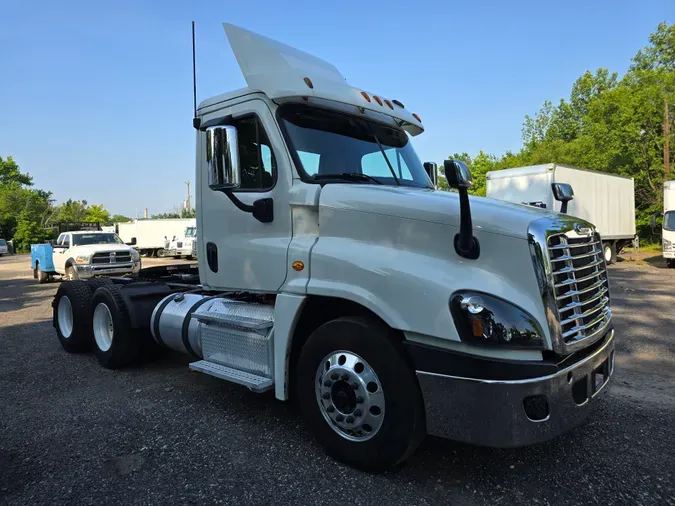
(152, 237)
(668, 230)
(331, 272)
(606, 200)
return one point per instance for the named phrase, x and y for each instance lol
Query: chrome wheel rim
(349, 395)
(103, 327)
(71, 274)
(65, 317)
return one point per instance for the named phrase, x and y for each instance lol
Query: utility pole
(666, 143)
(189, 207)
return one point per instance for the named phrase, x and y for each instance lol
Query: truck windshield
(669, 221)
(336, 146)
(3, 242)
(191, 232)
(96, 238)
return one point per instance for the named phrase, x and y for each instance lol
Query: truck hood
(435, 206)
(95, 248)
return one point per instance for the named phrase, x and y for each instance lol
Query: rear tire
(41, 276)
(671, 264)
(161, 253)
(609, 252)
(374, 433)
(115, 342)
(96, 283)
(72, 316)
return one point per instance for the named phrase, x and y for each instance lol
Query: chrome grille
(179, 244)
(111, 257)
(580, 286)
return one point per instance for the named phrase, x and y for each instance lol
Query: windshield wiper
(379, 145)
(348, 176)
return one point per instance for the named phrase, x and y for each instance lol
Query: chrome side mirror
(432, 171)
(458, 174)
(222, 158)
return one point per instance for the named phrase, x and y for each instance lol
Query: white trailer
(606, 200)
(668, 231)
(331, 272)
(152, 237)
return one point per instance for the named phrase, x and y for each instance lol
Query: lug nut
(359, 400)
(339, 418)
(358, 413)
(355, 386)
(327, 383)
(330, 409)
(350, 419)
(345, 377)
(326, 396)
(335, 376)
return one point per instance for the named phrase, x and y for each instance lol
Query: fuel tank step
(254, 382)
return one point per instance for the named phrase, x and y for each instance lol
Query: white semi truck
(152, 237)
(668, 228)
(606, 200)
(332, 272)
(181, 246)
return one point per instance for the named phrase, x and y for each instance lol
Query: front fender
(405, 271)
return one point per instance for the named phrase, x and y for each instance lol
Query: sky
(96, 97)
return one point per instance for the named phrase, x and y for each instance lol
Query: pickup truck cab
(84, 254)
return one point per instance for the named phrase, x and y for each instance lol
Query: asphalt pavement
(72, 432)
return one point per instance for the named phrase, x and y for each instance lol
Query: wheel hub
(350, 396)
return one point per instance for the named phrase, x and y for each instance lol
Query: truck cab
(668, 224)
(332, 272)
(183, 246)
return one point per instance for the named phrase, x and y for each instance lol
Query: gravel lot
(72, 432)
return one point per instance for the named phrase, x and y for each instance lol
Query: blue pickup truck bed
(42, 254)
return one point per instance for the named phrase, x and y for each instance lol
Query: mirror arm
(563, 207)
(262, 209)
(466, 245)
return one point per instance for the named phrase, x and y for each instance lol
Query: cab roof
(285, 73)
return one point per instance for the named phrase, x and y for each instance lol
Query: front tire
(72, 316)
(671, 264)
(161, 253)
(359, 395)
(71, 273)
(115, 343)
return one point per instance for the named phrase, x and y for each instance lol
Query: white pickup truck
(84, 254)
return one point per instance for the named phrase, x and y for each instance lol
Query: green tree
(97, 213)
(119, 218)
(72, 211)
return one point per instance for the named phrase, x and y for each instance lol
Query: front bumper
(90, 271)
(669, 254)
(183, 252)
(512, 413)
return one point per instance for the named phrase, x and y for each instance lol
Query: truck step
(254, 382)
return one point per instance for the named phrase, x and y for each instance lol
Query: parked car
(3, 247)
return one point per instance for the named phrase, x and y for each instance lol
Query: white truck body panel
(150, 234)
(279, 71)
(668, 236)
(606, 200)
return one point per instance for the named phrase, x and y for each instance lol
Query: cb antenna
(195, 119)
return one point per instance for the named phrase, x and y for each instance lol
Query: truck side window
(66, 240)
(256, 159)
(60, 239)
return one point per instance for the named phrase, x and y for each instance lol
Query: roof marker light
(308, 82)
(417, 117)
(365, 95)
(389, 104)
(399, 104)
(377, 99)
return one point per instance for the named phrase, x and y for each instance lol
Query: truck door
(59, 255)
(240, 252)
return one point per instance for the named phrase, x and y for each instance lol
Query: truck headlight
(83, 259)
(135, 256)
(485, 320)
(667, 245)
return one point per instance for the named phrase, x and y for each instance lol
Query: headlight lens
(83, 259)
(667, 245)
(485, 320)
(135, 256)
